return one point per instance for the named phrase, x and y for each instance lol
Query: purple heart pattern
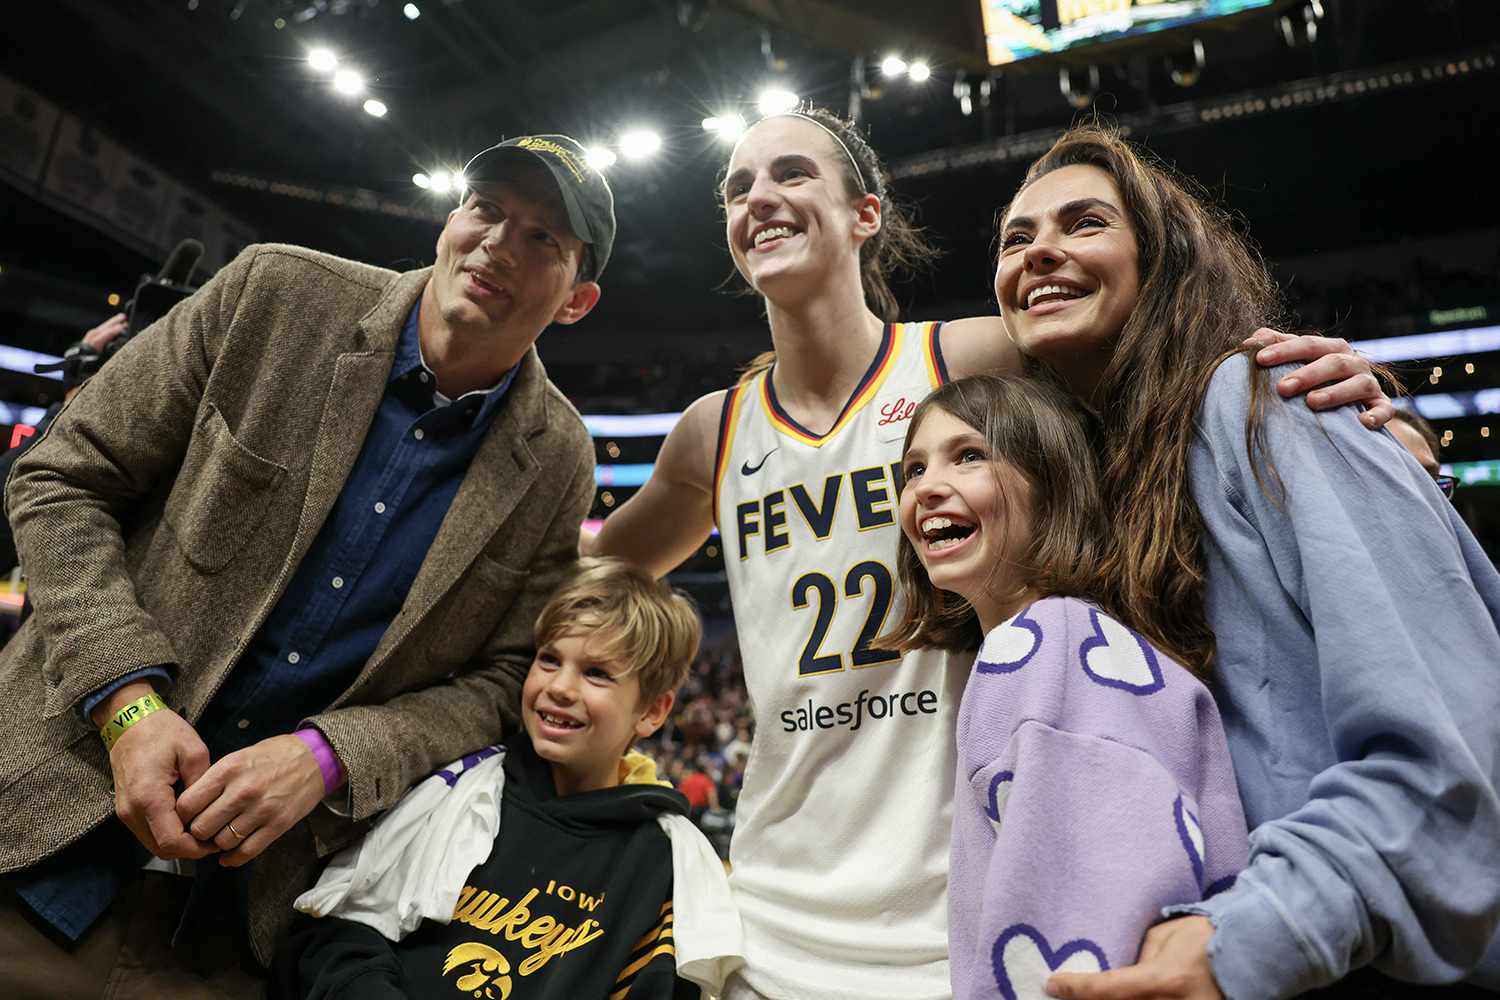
(1023, 960)
(1000, 786)
(1116, 657)
(1218, 886)
(1011, 646)
(1190, 832)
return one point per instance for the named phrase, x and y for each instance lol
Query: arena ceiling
(219, 96)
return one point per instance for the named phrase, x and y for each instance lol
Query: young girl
(1094, 784)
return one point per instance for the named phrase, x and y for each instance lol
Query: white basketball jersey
(840, 853)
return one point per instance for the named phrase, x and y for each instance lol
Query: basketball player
(840, 854)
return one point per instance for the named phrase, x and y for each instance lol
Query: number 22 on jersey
(817, 592)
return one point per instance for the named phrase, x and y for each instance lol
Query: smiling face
(1069, 273)
(582, 711)
(790, 216)
(967, 515)
(507, 262)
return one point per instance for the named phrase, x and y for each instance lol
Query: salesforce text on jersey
(853, 714)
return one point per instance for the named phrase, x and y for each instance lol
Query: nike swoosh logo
(749, 470)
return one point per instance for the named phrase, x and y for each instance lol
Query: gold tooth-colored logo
(488, 976)
(563, 153)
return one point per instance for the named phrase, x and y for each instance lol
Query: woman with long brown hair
(841, 842)
(1272, 549)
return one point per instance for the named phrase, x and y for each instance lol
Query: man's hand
(100, 336)
(148, 760)
(1173, 966)
(263, 790)
(1333, 369)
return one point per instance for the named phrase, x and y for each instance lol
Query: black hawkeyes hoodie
(574, 902)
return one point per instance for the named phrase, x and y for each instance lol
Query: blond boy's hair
(641, 622)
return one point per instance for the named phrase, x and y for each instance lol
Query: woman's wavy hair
(1038, 429)
(1203, 290)
(900, 246)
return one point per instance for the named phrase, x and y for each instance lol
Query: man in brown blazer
(285, 551)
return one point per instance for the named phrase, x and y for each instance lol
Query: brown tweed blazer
(165, 510)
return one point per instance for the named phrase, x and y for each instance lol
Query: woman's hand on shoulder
(1333, 373)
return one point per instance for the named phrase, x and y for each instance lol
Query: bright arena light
(727, 127)
(600, 157)
(412, 11)
(375, 109)
(422, 181)
(348, 82)
(322, 60)
(775, 101)
(440, 181)
(893, 65)
(637, 144)
(919, 72)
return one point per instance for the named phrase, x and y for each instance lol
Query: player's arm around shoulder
(978, 344)
(672, 514)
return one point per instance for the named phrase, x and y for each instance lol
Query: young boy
(573, 896)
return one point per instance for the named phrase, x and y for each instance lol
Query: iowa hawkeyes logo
(488, 978)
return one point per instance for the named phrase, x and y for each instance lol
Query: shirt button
(293, 657)
(243, 723)
(380, 508)
(338, 582)
(424, 376)
(418, 434)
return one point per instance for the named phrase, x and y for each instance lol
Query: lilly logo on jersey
(897, 411)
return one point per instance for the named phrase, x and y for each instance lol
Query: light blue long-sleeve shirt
(1358, 674)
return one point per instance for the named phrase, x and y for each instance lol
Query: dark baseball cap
(585, 194)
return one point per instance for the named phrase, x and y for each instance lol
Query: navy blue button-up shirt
(355, 577)
(326, 625)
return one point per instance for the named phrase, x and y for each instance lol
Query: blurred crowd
(1389, 305)
(703, 748)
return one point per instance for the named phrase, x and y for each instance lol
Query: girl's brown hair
(899, 245)
(1203, 290)
(1036, 428)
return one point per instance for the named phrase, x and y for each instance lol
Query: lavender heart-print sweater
(1094, 788)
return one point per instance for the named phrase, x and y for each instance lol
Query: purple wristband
(334, 774)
